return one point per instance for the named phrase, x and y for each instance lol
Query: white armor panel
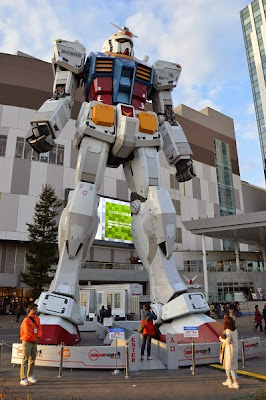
(82, 219)
(62, 306)
(65, 82)
(175, 144)
(126, 133)
(92, 161)
(69, 55)
(166, 75)
(143, 171)
(54, 114)
(86, 127)
(153, 232)
(161, 99)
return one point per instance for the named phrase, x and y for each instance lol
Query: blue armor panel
(124, 73)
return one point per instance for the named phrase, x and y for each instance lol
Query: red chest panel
(102, 89)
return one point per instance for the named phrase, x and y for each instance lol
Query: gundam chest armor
(117, 88)
(120, 79)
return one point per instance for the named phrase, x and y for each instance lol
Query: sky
(203, 36)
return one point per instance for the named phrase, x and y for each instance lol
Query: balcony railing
(101, 265)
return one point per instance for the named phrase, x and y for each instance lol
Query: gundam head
(120, 43)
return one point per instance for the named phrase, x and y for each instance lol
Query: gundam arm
(50, 119)
(176, 147)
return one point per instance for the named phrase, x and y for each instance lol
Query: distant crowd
(220, 310)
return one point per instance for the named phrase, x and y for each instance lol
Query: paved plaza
(147, 384)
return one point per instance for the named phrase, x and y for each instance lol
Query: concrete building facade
(25, 84)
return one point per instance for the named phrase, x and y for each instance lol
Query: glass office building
(254, 32)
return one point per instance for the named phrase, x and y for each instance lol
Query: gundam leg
(153, 232)
(60, 313)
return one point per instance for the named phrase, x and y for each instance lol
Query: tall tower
(254, 32)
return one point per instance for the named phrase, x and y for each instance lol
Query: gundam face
(120, 43)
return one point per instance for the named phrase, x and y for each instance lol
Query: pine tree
(42, 253)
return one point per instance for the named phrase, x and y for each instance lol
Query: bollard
(1, 352)
(193, 358)
(127, 360)
(61, 360)
(243, 352)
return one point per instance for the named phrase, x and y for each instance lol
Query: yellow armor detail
(103, 114)
(147, 122)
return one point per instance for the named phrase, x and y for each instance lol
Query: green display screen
(117, 221)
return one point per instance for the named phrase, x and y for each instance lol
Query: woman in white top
(230, 342)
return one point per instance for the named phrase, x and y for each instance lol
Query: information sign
(191, 331)
(116, 333)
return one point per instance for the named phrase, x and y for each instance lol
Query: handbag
(142, 326)
(221, 354)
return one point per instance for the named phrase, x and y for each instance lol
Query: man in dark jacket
(264, 317)
(102, 311)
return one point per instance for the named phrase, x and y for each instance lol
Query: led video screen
(115, 221)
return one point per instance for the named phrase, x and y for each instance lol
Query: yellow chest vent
(143, 73)
(104, 65)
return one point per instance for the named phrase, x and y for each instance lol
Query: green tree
(42, 253)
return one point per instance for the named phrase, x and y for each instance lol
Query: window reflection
(24, 150)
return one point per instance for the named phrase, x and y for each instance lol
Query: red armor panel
(138, 105)
(101, 90)
(140, 92)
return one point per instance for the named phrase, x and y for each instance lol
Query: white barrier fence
(180, 355)
(85, 357)
(172, 354)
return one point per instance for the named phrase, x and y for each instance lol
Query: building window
(117, 300)
(100, 298)
(109, 298)
(3, 139)
(225, 183)
(15, 262)
(24, 150)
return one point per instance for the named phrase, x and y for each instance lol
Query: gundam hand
(185, 170)
(40, 137)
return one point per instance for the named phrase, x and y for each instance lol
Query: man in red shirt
(30, 332)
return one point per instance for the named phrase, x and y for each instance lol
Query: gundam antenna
(125, 30)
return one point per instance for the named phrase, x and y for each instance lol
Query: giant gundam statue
(113, 128)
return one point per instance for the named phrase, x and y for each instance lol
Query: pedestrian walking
(30, 333)
(258, 318)
(229, 339)
(148, 332)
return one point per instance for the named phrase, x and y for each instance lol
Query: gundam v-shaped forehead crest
(125, 30)
(120, 42)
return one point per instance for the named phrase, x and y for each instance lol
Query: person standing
(264, 316)
(148, 331)
(230, 363)
(232, 313)
(108, 313)
(18, 313)
(101, 314)
(258, 318)
(30, 333)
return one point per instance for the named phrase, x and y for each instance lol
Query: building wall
(254, 198)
